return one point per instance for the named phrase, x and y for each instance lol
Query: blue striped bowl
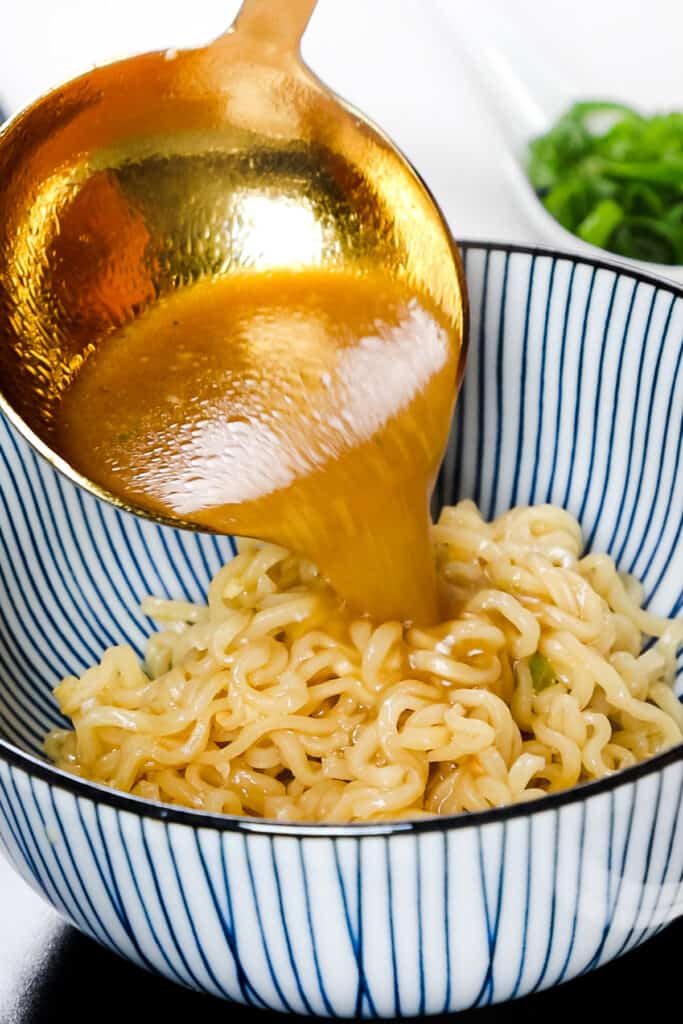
(573, 395)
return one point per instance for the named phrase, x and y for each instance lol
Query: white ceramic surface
(526, 87)
(573, 394)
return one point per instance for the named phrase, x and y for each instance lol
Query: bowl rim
(172, 814)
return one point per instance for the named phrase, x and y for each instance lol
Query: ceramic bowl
(573, 394)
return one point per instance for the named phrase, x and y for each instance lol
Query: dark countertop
(48, 970)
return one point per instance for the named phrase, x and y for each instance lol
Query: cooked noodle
(274, 701)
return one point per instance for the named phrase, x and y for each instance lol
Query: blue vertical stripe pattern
(573, 395)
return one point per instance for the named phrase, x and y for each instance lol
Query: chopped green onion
(675, 215)
(650, 239)
(665, 171)
(597, 227)
(542, 673)
(642, 199)
(614, 178)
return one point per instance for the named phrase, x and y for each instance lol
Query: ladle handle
(279, 22)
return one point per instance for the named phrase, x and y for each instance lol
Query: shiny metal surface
(155, 173)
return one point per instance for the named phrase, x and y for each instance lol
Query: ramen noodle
(273, 700)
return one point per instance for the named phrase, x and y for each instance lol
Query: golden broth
(306, 407)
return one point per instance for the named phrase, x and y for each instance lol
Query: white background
(398, 60)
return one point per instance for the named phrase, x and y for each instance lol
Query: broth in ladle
(306, 407)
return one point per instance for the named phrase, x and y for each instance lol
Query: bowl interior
(573, 395)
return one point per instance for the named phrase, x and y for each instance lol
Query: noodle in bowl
(275, 861)
(272, 700)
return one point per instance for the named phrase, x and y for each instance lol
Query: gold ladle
(158, 172)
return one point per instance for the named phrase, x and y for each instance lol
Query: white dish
(526, 94)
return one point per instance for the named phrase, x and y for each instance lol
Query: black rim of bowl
(171, 814)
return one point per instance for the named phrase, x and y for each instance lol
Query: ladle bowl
(152, 174)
